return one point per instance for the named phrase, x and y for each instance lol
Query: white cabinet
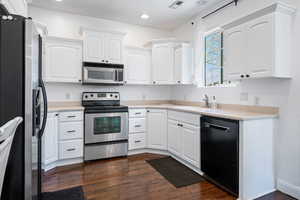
(137, 141)
(157, 129)
(50, 140)
(234, 53)
(137, 129)
(63, 139)
(260, 47)
(174, 138)
(102, 46)
(17, 7)
(184, 136)
(191, 144)
(163, 63)
(259, 44)
(138, 66)
(63, 60)
(183, 64)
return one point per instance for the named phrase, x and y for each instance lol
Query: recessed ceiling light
(145, 16)
(58, 0)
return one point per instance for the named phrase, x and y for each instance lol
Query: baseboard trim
(288, 188)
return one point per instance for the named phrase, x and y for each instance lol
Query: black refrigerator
(22, 93)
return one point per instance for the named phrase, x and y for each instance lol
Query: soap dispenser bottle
(214, 104)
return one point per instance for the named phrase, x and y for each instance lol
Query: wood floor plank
(129, 178)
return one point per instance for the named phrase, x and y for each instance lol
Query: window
(213, 68)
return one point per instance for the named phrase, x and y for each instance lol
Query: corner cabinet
(163, 63)
(63, 60)
(157, 129)
(259, 45)
(102, 46)
(137, 65)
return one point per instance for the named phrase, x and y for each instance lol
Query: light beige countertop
(235, 112)
(64, 106)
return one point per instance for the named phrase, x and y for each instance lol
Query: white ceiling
(129, 11)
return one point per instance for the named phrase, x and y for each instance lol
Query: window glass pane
(106, 125)
(213, 59)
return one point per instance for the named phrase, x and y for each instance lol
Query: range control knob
(111, 95)
(116, 96)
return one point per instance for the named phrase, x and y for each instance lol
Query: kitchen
(163, 105)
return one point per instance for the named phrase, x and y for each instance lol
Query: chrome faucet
(206, 100)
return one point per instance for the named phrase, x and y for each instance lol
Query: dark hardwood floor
(130, 178)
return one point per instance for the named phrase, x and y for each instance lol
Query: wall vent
(176, 4)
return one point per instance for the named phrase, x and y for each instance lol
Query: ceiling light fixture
(58, 0)
(145, 16)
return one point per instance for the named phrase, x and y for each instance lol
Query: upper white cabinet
(163, 63)
(137, 66)
(259, 45)
(102, 46)
(183, 64)
(62, 60)
(18, 7)
(157, 129)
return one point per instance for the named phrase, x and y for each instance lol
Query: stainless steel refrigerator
(22, 93)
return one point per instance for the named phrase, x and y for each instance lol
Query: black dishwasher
(220, 152)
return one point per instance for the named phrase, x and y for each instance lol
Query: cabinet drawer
(137, 125)
(71, 130)
(71, 116)
(137, 141)
(189, 118)
(137, 113)
(71, 149)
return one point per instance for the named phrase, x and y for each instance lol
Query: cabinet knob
(148, 111)
(125, 81)
(107, 61)
(56, 114)
(154, 82)
(178, 82)
(247, 75)
(242, 76)
(79, 81)
(103, 60)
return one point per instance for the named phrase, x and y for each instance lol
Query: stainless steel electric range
(105, 125)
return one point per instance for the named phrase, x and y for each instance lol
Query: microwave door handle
(116, 75)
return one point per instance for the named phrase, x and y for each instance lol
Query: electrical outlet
(244, 96)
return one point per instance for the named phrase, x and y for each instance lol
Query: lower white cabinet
(174, 138)
(137, 141)
(191, 144)
(70, 149)
(63, 139)
(184, 136)
(50, 140)
(157, 129)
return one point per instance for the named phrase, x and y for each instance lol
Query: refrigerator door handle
(45, 111)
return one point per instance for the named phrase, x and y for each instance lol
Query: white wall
(68, 25)
(282, 93)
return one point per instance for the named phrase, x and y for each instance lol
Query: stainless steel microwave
(106, 74)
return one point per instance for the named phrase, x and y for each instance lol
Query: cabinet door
(163, 64)
(191, 144)
(174, 138)
(178, 61)
(50, 140)
(235, 60)
(260, 47)
(17, 7)
(114, 49)
(138, 66)
(63, 61)
(157, 129)
(94, 47)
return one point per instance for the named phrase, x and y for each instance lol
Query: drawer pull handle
(137, 126)
(138, 113)
(73, 131)
(73, 149)
(137, 141)
(180, 125)
(71, 116)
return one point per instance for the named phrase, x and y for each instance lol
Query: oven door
(102, 75)
(106, 127)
